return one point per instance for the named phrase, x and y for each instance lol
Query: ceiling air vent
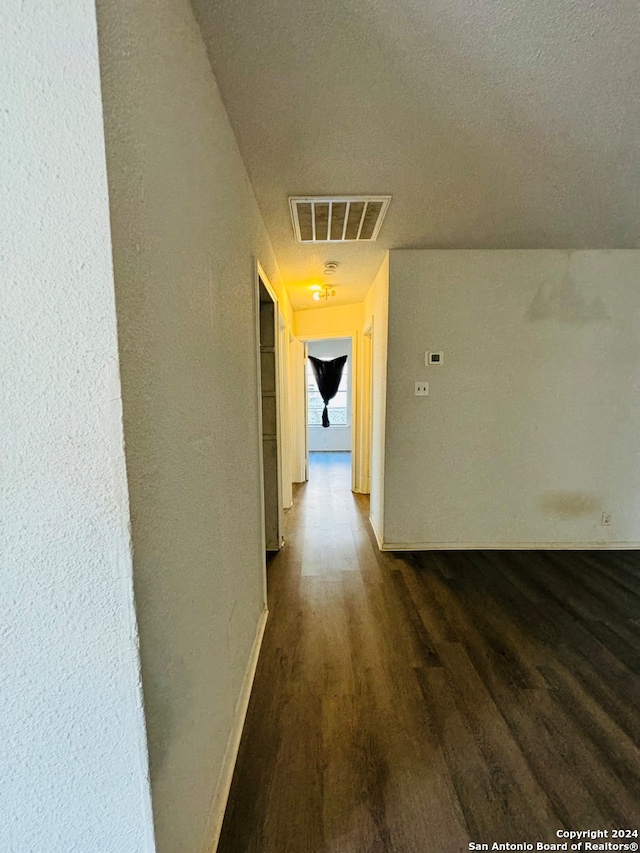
(346, 219)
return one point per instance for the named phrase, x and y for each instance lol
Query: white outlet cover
(421, 389)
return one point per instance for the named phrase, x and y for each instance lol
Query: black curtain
(328, 375)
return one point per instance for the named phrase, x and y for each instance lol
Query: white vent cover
(345, 219)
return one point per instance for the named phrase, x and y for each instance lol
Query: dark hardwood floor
(416, 702)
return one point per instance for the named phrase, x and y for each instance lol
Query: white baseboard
(377, 534)
(219, 804)
(505, 546)
(501, 546)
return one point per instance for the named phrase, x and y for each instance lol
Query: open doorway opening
(330, 446)
(270, 422)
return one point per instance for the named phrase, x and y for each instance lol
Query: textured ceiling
(493, 124)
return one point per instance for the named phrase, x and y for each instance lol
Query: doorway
(268, 331)
(332, 445)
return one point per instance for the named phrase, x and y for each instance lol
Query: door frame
(261, 276)
(353, 397)
(284, 408)
(366, 409)
(305, 404)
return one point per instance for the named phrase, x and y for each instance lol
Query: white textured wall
(333, 438)
(532, 428)
(186, 232)
(327, 322)
(73, 763)
(376, 313)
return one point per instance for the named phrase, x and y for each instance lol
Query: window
(338, 408)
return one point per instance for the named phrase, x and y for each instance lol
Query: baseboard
(500, 546)
(377, 534)
(219, 804)
(505, 546)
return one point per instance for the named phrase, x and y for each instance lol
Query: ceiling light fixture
(323, 293)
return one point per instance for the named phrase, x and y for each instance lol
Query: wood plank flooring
(412, 703)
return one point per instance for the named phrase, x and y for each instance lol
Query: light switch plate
(421, 389)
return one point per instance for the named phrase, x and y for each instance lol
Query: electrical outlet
(606, 519)
(421, 389)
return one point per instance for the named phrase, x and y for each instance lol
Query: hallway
(413, 703)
